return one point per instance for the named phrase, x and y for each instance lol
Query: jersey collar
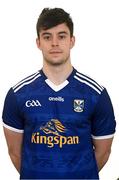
(59, 87)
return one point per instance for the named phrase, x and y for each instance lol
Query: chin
(56, 63)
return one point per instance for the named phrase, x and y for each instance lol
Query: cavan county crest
(78, 105)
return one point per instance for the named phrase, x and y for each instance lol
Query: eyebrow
(48, 33)
(63, 32)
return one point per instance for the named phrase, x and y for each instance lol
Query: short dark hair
(53, 17)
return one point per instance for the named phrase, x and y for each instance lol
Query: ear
(38, 43)
(72, 42)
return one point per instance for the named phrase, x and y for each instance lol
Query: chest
(68, 107)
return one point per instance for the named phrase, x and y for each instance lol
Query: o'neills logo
(57, 137)
(61, 99)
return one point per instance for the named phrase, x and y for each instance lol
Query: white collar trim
(56, 87)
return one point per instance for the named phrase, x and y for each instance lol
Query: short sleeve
(103, 119)
(11, 114)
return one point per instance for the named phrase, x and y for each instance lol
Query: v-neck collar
(59, 87)
(56, 88)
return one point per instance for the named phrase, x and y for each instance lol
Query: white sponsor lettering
(61, 99)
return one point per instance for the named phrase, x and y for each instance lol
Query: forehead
(57, 29)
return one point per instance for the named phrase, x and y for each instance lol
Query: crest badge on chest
(78, 105)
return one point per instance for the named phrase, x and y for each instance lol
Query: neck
(57, 74)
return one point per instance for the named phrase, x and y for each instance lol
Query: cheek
(44, 47)
(65, 45)
(69, 45)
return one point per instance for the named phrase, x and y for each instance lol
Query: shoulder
(26, 82)
(88, 83)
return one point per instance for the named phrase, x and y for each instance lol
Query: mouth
(55, 52)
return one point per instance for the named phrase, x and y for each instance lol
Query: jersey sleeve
(11, 114)
(103, 119)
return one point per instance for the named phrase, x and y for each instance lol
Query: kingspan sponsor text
(51, 141)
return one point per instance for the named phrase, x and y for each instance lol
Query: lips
(55, 52)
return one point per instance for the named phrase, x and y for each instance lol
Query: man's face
(55, 44)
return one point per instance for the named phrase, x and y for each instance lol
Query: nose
(55, 41)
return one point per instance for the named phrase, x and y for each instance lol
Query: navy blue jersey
(59, 123)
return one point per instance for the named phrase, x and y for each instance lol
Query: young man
(58, 123)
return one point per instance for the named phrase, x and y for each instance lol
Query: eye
(62, 37)
(47, 37)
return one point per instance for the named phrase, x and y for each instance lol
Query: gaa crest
(78, 105)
